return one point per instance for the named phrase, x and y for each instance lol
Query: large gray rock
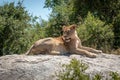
(43, 67)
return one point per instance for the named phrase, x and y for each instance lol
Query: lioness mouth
(67, 39)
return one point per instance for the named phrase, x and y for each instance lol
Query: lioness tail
(29, 51)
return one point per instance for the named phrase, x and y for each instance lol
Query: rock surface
(43, 67)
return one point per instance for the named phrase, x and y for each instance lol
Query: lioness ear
(63, 28)
(73, 26)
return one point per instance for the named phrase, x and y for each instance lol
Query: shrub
(116, 30)
(76, 71)
(115, 76)
(95, 33)
(73, 71)
(14, 20)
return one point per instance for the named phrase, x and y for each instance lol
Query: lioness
(69, 42)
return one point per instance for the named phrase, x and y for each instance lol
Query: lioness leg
(91, 49)
(54, 52)
(87, 53)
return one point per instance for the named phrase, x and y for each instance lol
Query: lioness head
(69, 32)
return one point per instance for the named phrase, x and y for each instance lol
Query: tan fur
(74, 45)
(68, 43)
(48, 46)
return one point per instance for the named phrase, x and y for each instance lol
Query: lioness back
(48, 46)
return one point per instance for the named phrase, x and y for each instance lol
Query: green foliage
(36, 32)
(62, 11)
(76, 71)
(94, 32)
(116, 30)
(105, 9)
(18, 30)
(75, 9)
(97, 77)
(99, 29)
(65, 12)
(53, 29)
(115, 76)
(13, 21)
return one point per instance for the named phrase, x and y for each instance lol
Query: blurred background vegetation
(98, 24)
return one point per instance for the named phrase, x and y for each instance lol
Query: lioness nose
(65, 35)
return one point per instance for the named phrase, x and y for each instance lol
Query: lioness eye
(64, 32)
(68, 31)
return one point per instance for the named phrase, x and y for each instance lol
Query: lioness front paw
(99, 51)
(92, 55)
